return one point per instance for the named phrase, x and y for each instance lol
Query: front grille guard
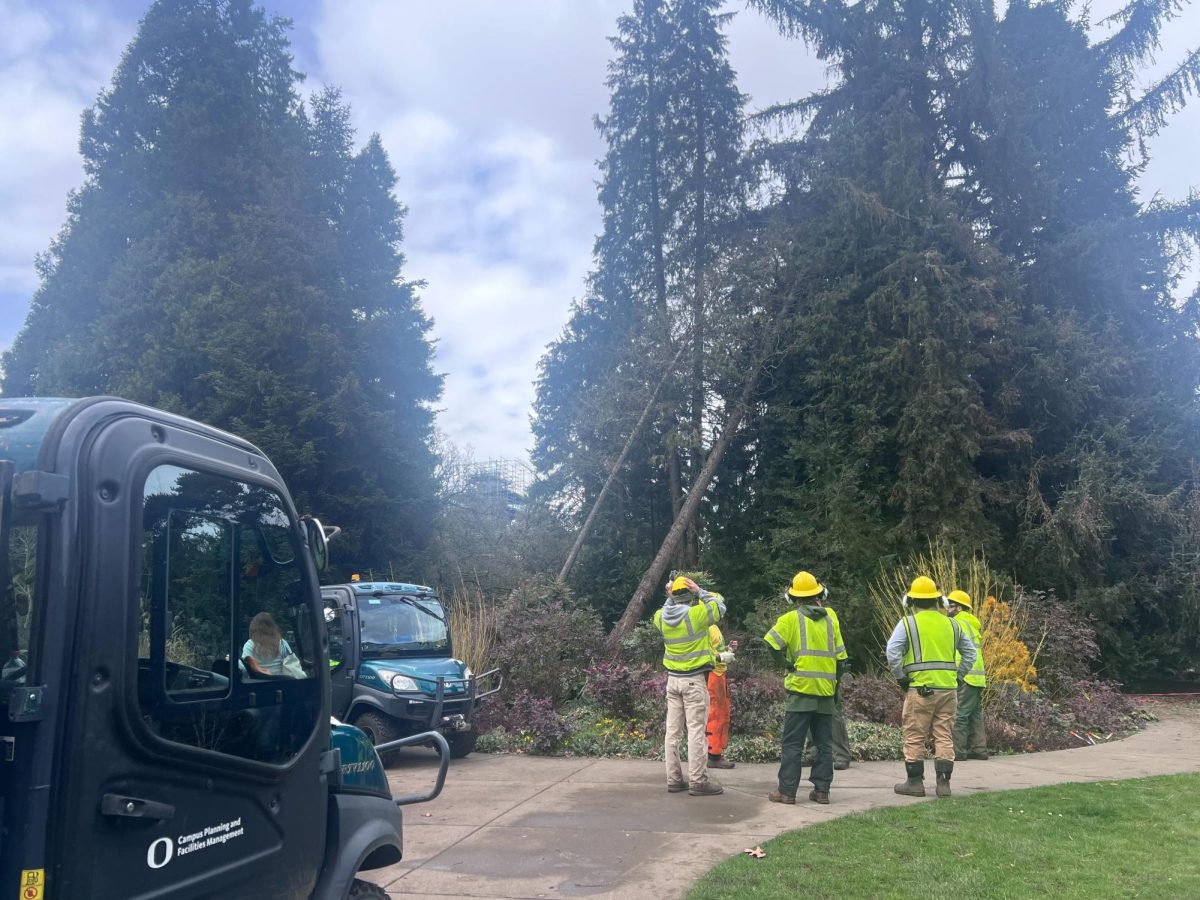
(472, 696)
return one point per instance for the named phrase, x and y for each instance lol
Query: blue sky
(486, 110)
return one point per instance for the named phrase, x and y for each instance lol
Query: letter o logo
(160, 853)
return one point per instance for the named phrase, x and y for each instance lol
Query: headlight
(398, 680)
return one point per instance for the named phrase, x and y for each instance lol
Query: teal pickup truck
(393, 670)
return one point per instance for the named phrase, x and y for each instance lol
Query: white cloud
(486, 110)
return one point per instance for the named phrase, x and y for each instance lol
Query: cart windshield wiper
(421, 606)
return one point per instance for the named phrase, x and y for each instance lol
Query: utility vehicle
(393, 668)
(141, 754)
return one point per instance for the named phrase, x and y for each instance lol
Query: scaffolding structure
(496, 487)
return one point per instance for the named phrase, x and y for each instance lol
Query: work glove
(905, 682)
(725, 656)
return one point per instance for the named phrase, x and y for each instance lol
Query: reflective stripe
(931, 667)
(914, 636)
(681, 657)
(807, 673)
(781, 644)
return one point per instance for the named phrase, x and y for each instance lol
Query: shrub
(643, 645)
(616, 687)
(595, 734)
(547, 639)
(1064, 638)
(755, 702)
(536, 724)
(875, 741)
(872, 698)
(1097, 705)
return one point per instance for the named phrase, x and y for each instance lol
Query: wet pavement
(535, 827)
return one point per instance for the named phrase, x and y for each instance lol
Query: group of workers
(934, 653)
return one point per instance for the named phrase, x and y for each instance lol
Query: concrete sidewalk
(519, 826)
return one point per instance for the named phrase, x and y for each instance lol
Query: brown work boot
(674, 787)
(778, 797)
(705, 788)
(915, 785)
(821, 797)
(719, 762)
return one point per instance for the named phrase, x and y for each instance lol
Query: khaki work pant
(925, 716)
(687, 712)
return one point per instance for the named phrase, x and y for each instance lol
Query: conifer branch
(1149, 113)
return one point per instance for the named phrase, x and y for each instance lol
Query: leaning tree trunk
(617, 466)
(654, 575)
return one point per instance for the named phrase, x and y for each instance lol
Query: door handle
(134, 807)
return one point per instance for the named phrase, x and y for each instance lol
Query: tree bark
(641, 596)
(612, 474)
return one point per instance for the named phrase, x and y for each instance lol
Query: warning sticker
(33, 884)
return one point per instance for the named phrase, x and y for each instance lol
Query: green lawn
(1112, 839)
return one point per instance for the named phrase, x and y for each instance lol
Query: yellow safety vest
(970, 625)
(717, 640)
(686, 646)
(813, 646)
(929, 657)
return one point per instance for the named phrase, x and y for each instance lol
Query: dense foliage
(232, 257)
(980, 333)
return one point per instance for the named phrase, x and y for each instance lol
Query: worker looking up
(921, 653)
(688, 658)
(808, 643)
(970, 735)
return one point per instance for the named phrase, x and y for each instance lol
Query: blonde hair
(265, 635)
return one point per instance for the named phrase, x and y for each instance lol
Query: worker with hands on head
(930, 656)
(808, 643)
(688, 657)
(970, 734)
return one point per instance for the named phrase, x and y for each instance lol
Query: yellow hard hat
(680, 585)
(805, 585)
(962, 598)
(923, 588)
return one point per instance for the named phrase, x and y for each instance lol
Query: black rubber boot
(944, 768)
(915, 786)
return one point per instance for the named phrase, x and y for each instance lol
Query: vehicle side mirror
(318, 544)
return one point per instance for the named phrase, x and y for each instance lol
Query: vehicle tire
(462, 743)
(378, 728)
(366, 890)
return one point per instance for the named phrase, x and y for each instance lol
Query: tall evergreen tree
(671, 186)
(1032, 388)
(231, 260)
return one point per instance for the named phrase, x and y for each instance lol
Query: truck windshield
(398, 625)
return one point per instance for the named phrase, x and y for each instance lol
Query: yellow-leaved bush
(1007, 659)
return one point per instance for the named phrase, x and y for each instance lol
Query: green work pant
(840, 739)
(796, 726)
(969, 733)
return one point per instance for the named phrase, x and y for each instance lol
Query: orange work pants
(718, 714)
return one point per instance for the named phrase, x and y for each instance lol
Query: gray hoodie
(674, 612)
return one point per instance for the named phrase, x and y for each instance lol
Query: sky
(486, 109)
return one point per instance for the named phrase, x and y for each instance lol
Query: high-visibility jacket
(930, 657)
(717, 640)
(970, 625)
(686, 645)
(814, 645)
